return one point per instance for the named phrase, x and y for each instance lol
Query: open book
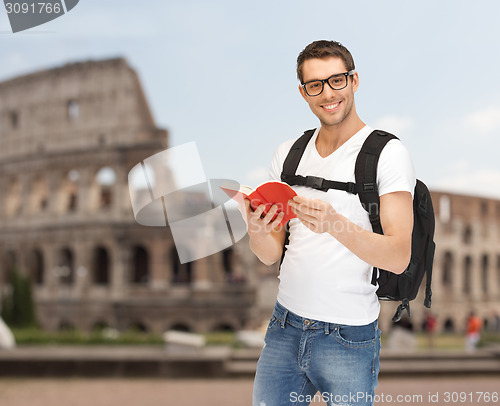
(268, 193)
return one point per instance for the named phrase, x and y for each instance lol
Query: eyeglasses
(336, 82)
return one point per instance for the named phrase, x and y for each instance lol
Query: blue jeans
(302, 356)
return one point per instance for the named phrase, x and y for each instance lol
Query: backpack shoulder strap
(366, 175)
(365, 172)
(294, 155)
(288, 173)
(291, 163)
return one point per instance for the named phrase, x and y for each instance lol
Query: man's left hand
(317, 215)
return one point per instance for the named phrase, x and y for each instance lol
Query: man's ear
(303, 93)
(355, 81)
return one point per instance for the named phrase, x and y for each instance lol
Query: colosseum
(70, 135)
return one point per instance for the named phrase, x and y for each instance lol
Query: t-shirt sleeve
(278, 159)
(395, 171)
(276, 166)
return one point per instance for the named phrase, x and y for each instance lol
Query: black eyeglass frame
(327, 80)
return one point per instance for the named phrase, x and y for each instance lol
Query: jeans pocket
(275, 320)
(357, 336)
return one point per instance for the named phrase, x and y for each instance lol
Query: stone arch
(72, 109)
(102, 188)
(181, 273)
(467, 235)
(449, 325)
(447, 275)
(224, 327)
(100, 325)
(139, 326)
(444, 209)
(13, 201)
(14, 119)
(467, 275)
(180, 326)
(66, 266)
(68, 192)
(484, 273)
(484, 208)
(39, 195)
(140, 265)
(36, 266)
(228, 264)
(101, 266)
(11, 264)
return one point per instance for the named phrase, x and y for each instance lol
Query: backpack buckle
(315, 182)
(351, 188)
(369, 187)
(405, 305)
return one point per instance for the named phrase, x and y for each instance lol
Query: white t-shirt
(321, 279)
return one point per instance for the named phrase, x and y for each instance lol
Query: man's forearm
(267, 249)
(381, 251)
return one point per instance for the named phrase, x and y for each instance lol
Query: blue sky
(222, 73)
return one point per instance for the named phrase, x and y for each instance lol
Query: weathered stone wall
(466, 273)
(70, 136)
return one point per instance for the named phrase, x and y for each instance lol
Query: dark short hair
(324, 49)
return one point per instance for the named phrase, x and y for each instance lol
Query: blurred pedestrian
(473, 333)
(430, 327)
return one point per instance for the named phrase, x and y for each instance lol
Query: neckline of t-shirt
(312, 143)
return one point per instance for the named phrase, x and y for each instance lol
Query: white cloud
(395, 124)
(484, 121)
(465, 180)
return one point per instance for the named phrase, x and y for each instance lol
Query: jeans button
(307, 322)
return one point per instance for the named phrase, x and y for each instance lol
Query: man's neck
(330, 138)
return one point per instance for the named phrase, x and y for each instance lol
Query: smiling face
(332, 107)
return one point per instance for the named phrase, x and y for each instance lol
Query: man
(473, 332)
(323, 334)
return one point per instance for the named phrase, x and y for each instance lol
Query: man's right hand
(266, 235)
(258, 225)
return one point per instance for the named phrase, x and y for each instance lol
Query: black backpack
(403, 287)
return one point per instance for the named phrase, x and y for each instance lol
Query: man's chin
(331, 122)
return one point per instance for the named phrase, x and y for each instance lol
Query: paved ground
(214, 362)
(228, 392)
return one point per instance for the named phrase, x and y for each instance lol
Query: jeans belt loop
(283, 318)
(327, 328)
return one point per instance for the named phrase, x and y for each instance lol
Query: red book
(268, 193)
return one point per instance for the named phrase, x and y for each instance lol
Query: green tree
(18, 308)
